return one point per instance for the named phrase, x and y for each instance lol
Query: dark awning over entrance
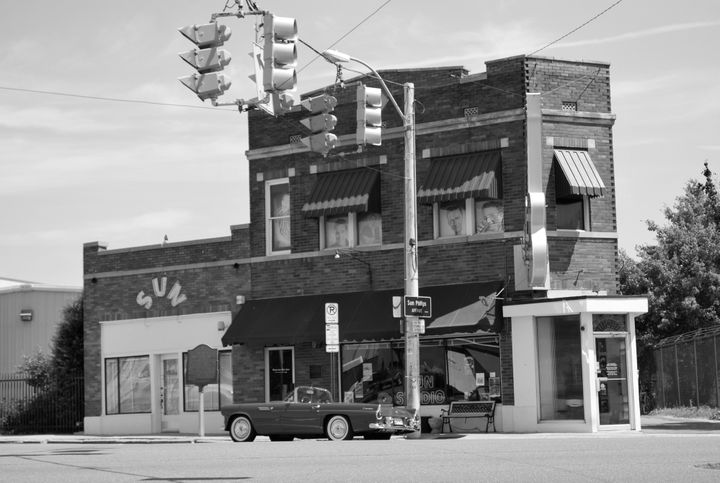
(450, 178)
(364, 316)
(340, 192)
(581, 177)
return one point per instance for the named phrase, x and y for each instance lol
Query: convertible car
(309, 412)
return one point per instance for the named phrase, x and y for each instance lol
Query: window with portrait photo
(351, 230)
(451, 218)
(489, 216)
(468, 216)
(277, 204)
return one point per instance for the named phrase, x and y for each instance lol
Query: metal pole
(201, 411)
(412, 336)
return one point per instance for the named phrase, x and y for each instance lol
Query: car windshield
(305, 394)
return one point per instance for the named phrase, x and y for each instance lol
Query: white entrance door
(170, 393)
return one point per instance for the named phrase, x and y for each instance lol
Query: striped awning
(581, 177)
(340, 192)
(450, 178)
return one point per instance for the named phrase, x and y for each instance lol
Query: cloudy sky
(100, 142)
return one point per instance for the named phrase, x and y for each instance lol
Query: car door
(302, 416)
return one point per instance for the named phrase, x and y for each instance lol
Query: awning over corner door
(473, 175)
(581, 177)
(339, 192)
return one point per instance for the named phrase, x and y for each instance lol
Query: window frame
(269, 218)
(586, 221)
(469, 223)
(118, 381)
(353, 231)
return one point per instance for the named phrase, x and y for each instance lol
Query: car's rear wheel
(241, 430)
(338, 428)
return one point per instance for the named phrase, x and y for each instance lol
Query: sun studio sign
(160, 290)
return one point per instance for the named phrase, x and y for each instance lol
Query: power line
(576, 28)
(99, 98)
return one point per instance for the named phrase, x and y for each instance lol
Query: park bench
(469, 410)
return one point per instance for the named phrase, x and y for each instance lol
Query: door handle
(316, 406)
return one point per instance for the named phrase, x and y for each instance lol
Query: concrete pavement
(650, 425)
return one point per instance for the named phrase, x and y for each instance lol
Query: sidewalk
(650, 425)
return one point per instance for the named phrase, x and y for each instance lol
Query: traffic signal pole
(412, 323)
(410, 247)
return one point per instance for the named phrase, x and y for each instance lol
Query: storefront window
(560, 368)
(450, 369)
(215, 395)
(127, 385)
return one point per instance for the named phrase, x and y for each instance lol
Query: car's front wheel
(241, 430)
(338, 428)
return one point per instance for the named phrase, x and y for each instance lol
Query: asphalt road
(657, 455)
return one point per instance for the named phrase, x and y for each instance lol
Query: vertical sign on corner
(332, 327)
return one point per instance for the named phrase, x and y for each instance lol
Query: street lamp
(412, 323)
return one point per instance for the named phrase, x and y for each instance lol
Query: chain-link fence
(687, 369)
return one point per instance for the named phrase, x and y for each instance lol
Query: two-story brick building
(517, 248)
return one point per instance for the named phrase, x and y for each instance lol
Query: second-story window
(347, 204)
(351, 230)
(465, 191)
(576, 181)
(277, 208)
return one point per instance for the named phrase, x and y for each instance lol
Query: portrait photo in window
(452, 218)
(280, 216)
(336, 231)
(369, 228)
(489, 216)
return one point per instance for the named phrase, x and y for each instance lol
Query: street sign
(332, 348)
(418, 307)
(332, 313)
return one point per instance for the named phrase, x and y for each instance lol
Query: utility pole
(410, 247)
(412, 323)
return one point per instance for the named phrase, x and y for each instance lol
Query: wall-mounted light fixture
(221, 326)
(240, 299)
(26, 315)
(339, 254)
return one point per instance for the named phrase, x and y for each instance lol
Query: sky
(100, 142)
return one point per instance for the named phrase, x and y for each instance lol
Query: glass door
(613, 396)
(170, 394)
(280, 373)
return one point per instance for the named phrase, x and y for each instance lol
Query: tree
(680, 274)
(58, 404)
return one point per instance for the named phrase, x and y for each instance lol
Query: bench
(468, 410)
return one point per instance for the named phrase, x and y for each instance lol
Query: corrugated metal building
(29, 315)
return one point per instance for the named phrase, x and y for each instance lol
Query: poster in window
(336, 231)
(489, 216)
(369, 228)
(451, 218)
(280, 214)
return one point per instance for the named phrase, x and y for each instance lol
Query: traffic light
(369, 115)
(207, 59)
(280, 59)
(320, 123)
